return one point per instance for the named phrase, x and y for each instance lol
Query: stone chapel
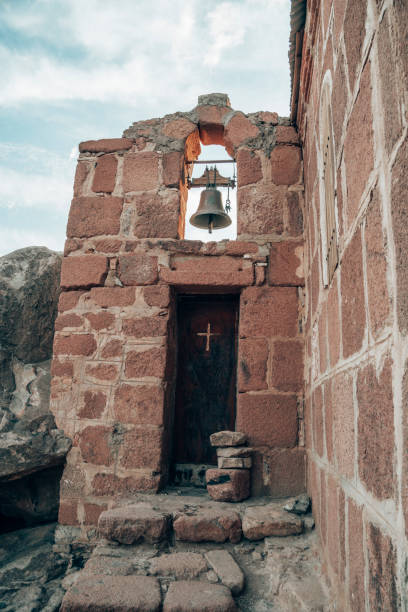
(297, 329)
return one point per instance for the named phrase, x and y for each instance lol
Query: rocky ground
(184, 552)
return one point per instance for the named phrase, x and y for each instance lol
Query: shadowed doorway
(206, 374)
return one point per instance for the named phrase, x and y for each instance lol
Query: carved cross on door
(208, 335)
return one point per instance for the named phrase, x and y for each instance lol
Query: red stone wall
(356, 328)
(125, 260)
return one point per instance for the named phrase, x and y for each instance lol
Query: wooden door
(206, 374)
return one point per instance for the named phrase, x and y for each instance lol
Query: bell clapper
(210, 224)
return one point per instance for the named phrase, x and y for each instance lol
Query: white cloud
(12, 239)
(156, 54)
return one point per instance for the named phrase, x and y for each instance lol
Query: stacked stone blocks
(125, 260)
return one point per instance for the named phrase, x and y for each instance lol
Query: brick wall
(125, 260)
(356, 327)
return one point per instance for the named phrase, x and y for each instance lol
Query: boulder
(29, 439)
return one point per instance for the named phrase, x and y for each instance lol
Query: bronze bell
(210, 212)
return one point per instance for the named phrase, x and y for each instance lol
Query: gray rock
(301, 505)
(30, 571)
(216, 99)
(29, 439)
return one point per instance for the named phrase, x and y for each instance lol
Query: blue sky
(75, 70)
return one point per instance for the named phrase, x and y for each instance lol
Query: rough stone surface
(185, 596)
(133, 523)
(94, 216)
(228, 438)
(227, 569)
(262, 521)
(208, 525)
(229, 485)
(116, 593)
(30, 570)
(182, 565)
(29, 439)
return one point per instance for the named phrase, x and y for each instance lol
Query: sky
(75, 70)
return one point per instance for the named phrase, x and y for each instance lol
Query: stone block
(113, 296)
(105, 145)
(105, 174)
(287, 366)
(102, 372)
(268, 419)
(228, 485)
(116, 593)
(295, 214)
(227, 569)
(196, 596)
(158, 295)
(352, 292)
(318, 427)
(261, 209)
(138, 269)
(178, 129)
(113, 349)
(227, 463)
(181, 565)
(253, 364)
(228, 438)
(94, 443)
(156, 216)
(68, 300)
(83, 271)
(68, 512)
(74, 344)
(399, 213)
(94, 216)
(333, 322)
(284, 472)
(211, 123)
(81, 174)
(62, 368)
(139, 404)
(101, 320)
(92, 404)
(242, 452)
(141, 448)
(263, 521)
(286, 264)
(268, 117)
(356, 557)
(173, 168)
(140, 171)
(354, 33)
(269, 311)
(249, 169)
(286, 134)
(379, 303)
(344, 434)
(134, 523)
(222, 271)
(285, 165)
(145, 327)
(147, 362)
(92, 513)
(359, 138)
(116, 486)
(108, 245)
(67, 321)
(382, 563)
(376, 430)
(238, 130)
(208, 525)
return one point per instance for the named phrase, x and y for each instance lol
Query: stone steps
(195, 557)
